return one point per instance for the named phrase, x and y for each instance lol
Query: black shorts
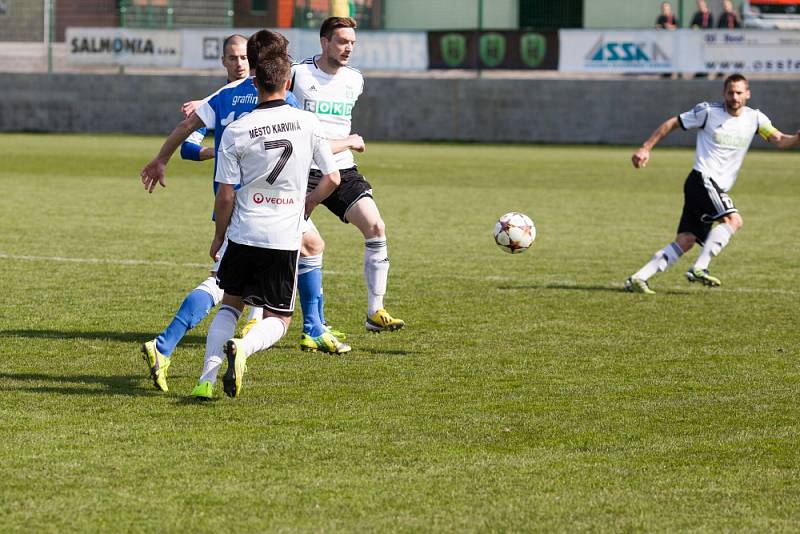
(703, 203)
(352, 188)
(263, 277)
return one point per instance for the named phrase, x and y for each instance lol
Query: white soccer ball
(514, 232)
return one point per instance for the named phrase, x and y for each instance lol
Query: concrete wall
(623, 111)
(450, 15)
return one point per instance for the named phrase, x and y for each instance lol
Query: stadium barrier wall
(202, 48)
(401, 108)
(637, 51)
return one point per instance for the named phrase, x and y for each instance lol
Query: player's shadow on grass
(131, 385)
(583, 287)
(386, 352)
(127, 337)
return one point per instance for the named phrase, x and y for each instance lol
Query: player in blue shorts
(216, 112)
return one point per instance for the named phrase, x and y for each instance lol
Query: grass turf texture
(527, 392)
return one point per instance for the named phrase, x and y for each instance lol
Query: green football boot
(338, 334)
(701, 275)
(325, 342)
(637, 285)
(203, 391)
(232, 381)
(157, 363)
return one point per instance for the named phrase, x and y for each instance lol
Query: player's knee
(376, 228)
(211, 287)
(686, 241)
(734, 221)
(313, 244)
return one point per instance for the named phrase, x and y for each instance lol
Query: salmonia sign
(123, 46)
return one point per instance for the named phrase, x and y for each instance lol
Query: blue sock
(194, 308)
(321, 306)
(309, 285)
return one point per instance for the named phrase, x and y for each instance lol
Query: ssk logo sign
(628, 54)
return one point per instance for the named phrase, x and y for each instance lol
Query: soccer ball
(514, 232)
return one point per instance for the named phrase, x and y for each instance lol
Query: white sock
(210, 286)
(309, 263)
(716, 241)
(221, 330)
(256, 312)
(660, 262)
(263, 335)
(376, 272)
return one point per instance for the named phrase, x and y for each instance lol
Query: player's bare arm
(351, 142)
(326, 186)
(154, 172)
(781, 140)
(642, 156)
(187, 108)
(223, 209)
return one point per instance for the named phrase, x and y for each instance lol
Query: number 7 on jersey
(286, 145)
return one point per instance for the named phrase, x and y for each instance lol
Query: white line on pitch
(489, 278)
(112, 261)
(109, 261)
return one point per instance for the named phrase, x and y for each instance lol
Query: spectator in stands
(666, 20)
(702, 19)
(729, 19)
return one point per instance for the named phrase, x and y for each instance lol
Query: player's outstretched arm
(642, 156)
(154, 172)
(325, 187)
(781, 140)
(351, 142)
(223, 208)
(187, 108)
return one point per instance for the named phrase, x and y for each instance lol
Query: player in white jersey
(725, 131)
(197, 304)
(327, 86)
(266, 154)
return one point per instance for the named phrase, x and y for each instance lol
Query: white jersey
(269, 152)
(330, 98)
(723, 139)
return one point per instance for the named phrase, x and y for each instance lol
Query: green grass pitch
(527, 393)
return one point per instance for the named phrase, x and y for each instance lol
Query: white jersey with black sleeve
(723, 139)
(330, 98)
(269, 153)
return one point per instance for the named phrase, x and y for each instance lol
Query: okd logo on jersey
(259, 199)
(627, 54)
(325, 107)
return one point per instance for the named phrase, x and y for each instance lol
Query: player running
(262, 172)
(197, 304)
(216, 112)
(327, 86)
(726, 130)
